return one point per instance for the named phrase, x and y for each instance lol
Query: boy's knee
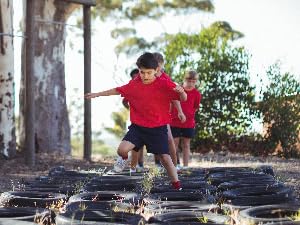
(121, 152)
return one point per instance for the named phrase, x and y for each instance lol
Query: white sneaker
(120, 164)
(132, 170)
(139, 169)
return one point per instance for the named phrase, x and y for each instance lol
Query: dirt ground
(13, 172)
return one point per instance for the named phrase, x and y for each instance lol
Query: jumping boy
(149, 114)
(138, 156)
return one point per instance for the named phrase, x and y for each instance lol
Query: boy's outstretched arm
(102, 93)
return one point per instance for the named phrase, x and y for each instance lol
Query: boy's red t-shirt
(149, 103)
(189, 108)
(165, 76)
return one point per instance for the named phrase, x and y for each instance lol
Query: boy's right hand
(90, 95)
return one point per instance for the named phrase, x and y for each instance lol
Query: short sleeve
(124, 90)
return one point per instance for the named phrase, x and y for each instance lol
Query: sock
(176, 185)
(141, 164)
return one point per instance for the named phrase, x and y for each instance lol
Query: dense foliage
(228, 98)
(280, 108)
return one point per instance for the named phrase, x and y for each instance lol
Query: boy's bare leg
(124, 148)
(186, 149)
(141, 156)
(169, 166)
(122, 160)
(172, 147)
(176, 142)
(134, 159)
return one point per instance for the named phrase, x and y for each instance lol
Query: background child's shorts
(183, 132)
(155, 139)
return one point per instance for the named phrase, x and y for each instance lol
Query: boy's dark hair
(191, 74)
(147, 61)
(133, 73)
(159, 57)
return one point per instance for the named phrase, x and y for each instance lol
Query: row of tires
(96, 205)
(200, 214)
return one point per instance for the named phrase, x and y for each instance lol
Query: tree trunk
(52, 129)
(7, 120)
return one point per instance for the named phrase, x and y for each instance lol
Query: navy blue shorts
(183, 132)
(155, 139)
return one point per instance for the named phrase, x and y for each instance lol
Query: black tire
(114, 179)
(98, 217)
(193, 172)
(218, 178)
(257, 191)
(73, 174)
(179, 196)
(126, 172)
(267, 169)
(184, 223)
(201, 187)
(268, 214)
(31, 199)
(189, 216)
(44, 216)
(105, 196)
(250, 201)
(171, 206)
(258, 196)
(15, 222)
(285, 223)
(227, 169)
(51, 188)
(99, 206)
(110, 187)
(232, 208)
(230, 185)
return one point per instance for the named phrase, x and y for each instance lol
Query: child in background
(185, 131)
(161, 73)
(149, 98)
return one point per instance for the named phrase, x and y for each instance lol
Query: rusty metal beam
(87, 82)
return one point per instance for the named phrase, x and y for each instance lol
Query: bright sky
(271, 29)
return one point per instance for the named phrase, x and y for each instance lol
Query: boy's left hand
(181, 117)
(179, 89)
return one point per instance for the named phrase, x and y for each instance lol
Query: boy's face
(148, 75)
(190, 82)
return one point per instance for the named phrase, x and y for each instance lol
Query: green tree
(227, 97)
(128, 12)
(119, 128)
(280, 108)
